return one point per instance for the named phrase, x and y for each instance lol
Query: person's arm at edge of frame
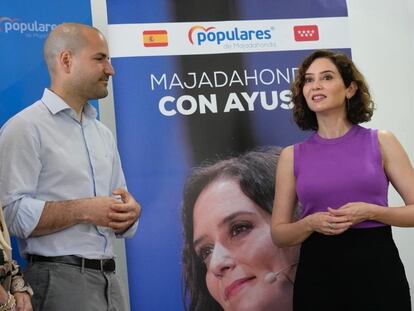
(284, 231)
(400, 173)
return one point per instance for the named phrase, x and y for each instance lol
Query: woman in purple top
(340, 176)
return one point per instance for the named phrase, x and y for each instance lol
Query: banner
(196, 81)
(24, 27)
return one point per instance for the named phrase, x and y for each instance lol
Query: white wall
(383, 49)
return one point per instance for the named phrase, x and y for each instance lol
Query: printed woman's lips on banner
(155, 38)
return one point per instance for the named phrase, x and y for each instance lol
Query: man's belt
(107, 265)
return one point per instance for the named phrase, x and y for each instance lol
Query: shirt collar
(55, 104)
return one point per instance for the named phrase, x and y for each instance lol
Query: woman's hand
(23, 301)
(355, 212)
(328, 223)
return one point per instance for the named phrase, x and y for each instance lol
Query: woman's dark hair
(255, 173)
(360, 107)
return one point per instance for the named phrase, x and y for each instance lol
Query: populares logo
(200, 35)
(4, 20)
(8, 25)
(306, 33)
(155, 38)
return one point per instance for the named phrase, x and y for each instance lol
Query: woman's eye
(204, 252)
(308, 80)
(239, 228)
(327, 77)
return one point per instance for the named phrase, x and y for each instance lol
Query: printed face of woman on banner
(232, 237)
(230, 261)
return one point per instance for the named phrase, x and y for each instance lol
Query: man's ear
(65, 60)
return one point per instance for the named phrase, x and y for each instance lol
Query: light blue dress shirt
(47, 155)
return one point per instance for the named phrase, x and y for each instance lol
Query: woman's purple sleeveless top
(333, 172)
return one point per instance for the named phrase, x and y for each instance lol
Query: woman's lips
(235, 287)
(318, 97)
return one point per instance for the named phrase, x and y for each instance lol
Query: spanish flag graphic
(153, 38)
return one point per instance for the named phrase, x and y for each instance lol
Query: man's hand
(125, 213)
(98, 210)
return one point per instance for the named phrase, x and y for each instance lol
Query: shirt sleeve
(130, 232)
(20, 166)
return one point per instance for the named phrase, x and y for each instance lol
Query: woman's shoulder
(386, 136)
(381, 132)
(288, 150)
(287, 153)
(387, 139)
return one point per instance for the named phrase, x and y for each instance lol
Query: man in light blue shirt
(61, 183)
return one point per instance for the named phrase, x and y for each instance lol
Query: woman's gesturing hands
(337, 221)
(328, 223)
